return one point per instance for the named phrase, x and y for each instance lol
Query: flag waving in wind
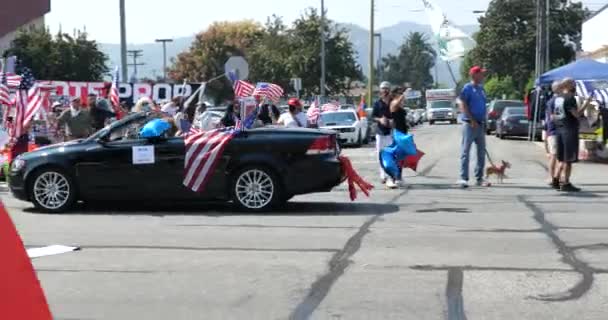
(114, 94)
(270, 91)
(28, 103)
(5, 94)
(241, 88)
(453, 42)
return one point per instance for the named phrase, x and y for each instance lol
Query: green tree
(305, 62)
(267, 57)
(506, 40)
(413, 63)
(62, 57)
(496, 88)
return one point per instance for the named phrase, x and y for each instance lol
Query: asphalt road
(427, 251)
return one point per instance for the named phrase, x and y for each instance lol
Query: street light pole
(370, 80)
(123, 42)
(322, 50)
(164, 42)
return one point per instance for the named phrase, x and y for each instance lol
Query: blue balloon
(154, 128)
(388, 162)
(403, 145)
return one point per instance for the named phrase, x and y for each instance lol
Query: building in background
(595, 37)
(19, 14)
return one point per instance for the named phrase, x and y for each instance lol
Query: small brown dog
(499, 171)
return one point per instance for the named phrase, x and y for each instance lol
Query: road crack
(568, 257)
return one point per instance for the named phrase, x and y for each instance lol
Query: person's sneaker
(391, 184)
(483, 183)
(555, 184)
(463, 184)
(568, 187)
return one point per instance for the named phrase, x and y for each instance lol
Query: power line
(135, 54)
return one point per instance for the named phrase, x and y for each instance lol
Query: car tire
(454, 121)
(501, 136)
(49, 183)
(431, 122)
(265, 185)
(359, 140)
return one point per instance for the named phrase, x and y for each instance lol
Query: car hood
(442, 110)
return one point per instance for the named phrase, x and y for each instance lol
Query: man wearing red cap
(473, 105)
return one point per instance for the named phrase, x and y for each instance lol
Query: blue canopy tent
(586, 72)
(584, 69)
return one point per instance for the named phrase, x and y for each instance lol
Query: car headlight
(17, 165)
(450, 114)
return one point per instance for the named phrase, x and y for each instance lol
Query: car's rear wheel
(52, 191)
(255, 189)
(431, 122)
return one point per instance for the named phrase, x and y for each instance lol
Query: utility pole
(322, 51)
(370, 80)
(123, 42)
(547, 34)
(164, 42)
(135, 54)
(379, 63)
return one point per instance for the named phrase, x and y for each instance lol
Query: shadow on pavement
(225, 209)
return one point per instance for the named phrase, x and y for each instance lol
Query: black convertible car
(260, 168)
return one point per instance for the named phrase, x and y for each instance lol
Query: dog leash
(489, 158)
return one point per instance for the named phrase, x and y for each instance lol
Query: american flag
(5, 94)
(332, 106)
(241, 88)
(314, 112)
(268, 90)
(12, 80)
(586, 89)
(30, 89)
(114, 97)
(204, 150)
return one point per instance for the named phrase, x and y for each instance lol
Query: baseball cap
(476, 69)
(385, 85)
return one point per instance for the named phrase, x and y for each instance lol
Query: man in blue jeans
(473, 105)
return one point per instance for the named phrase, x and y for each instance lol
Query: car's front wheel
(52, 191)
(255, 189)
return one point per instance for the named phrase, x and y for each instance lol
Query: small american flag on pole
(314, 112)
(114, 97)
(332, 106)
(5, 94)
(241, 88)
(29, 102)
(268, 90)
(204, 150)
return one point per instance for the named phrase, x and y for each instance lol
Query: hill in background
(392, 38)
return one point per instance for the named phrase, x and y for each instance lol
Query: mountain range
(392, 37)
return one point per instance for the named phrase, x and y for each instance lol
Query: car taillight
(323, 145)
(493, 114)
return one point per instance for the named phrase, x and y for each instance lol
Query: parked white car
(351, 129)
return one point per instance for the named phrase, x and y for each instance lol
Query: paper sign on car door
(143, 155)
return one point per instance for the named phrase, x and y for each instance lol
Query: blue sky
(151, 19)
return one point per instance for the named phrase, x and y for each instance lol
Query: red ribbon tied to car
(353, 178)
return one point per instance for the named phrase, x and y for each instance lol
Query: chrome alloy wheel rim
(254, 189)
(51, 190)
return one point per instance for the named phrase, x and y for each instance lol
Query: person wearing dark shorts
(565, 117)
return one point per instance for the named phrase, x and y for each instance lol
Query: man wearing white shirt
(295, 118)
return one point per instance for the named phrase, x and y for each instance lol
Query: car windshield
(341, 118)
(127, 128)
(442, 104)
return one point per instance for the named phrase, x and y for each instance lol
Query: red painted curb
(21, 296)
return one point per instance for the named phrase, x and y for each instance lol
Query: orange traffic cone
(21, 296)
